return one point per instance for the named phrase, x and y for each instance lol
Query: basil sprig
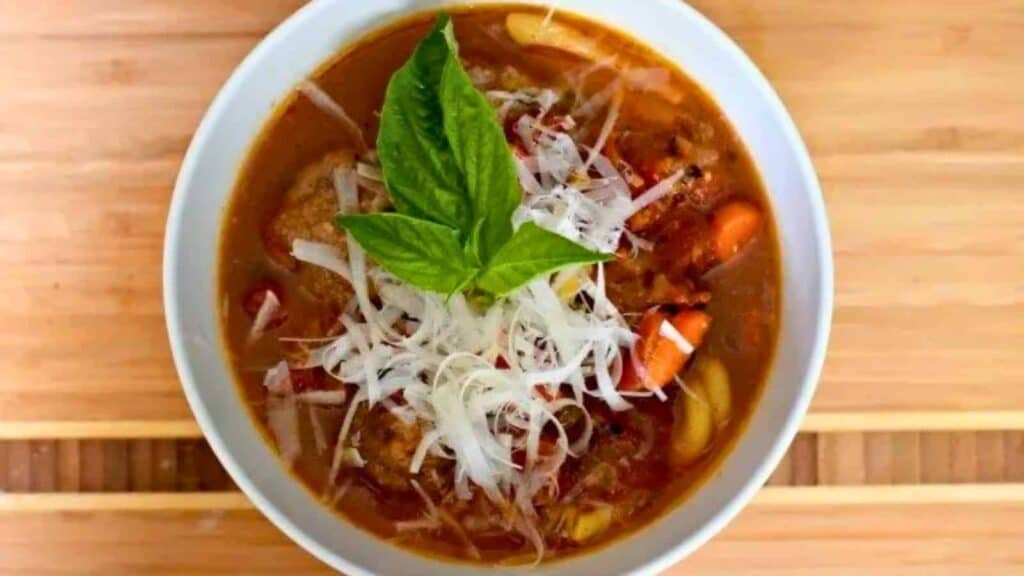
(453, 182)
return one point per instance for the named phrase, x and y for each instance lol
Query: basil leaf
(419, 167)
(453, 180)
(424, 254)
(482, 154)
(532, 252)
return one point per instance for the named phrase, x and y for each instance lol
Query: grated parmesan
(482, 385)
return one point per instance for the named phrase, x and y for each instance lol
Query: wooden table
(912, 461)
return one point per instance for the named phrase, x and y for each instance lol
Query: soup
(502, 288)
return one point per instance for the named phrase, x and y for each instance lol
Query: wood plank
(125, 502)
(122, 371)
(115, 466)
(106, 429)
(156, 543)
(4, 465)
(804, 458)
(1014, 445)
(936, 457)
(18, 467)
(879, 457)
(892, 421)
(52, 18)
(991, 460)
(767, 539)
(91, 459)
(878, 539)
(910, 420)
(134, 88)
(770, 496)
(908, 62)
(140, 459)
(964, 456)
(165, 462)
(69, 466)
(188, 466)
(906, 457)
(856, 495)
(841, 458)
(43, 462)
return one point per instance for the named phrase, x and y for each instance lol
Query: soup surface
(591, 450)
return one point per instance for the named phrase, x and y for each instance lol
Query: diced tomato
(660, 356)
(546, 394)
(306, 380)
(546, 446)
(519, 458)
(398, 398)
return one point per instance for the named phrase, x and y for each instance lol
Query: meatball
(387, 445)
(307, 212)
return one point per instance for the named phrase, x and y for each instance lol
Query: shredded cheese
(552, 8)
(322, 255)
(346, 187)
(669, 331)
(265, 315)
(657, 192)
(443, 355)
(483, 385)
(283, 421)
(329, 106)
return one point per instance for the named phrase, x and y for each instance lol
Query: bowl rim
(789, 429)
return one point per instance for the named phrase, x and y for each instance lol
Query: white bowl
(292, 52)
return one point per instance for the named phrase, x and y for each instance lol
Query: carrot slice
(733, 225)
(661, 356)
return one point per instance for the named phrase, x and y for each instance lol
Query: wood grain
(140, 458)
(964, 456)
(917, 420)
(906, 458)
(188, 466)
(69, 466)
(841, 458)
(115, 466)
(804, 460)
(3, 463)
(990, 455)
(93, 471)
(936, 457)
(142, 19)
(977, 539)
(19, 467)
(165, 460)
(879, 457)
(1013, 443)
(768, 540)
(921, 177)
(122, 502)
(43, 463)
(105, 429)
